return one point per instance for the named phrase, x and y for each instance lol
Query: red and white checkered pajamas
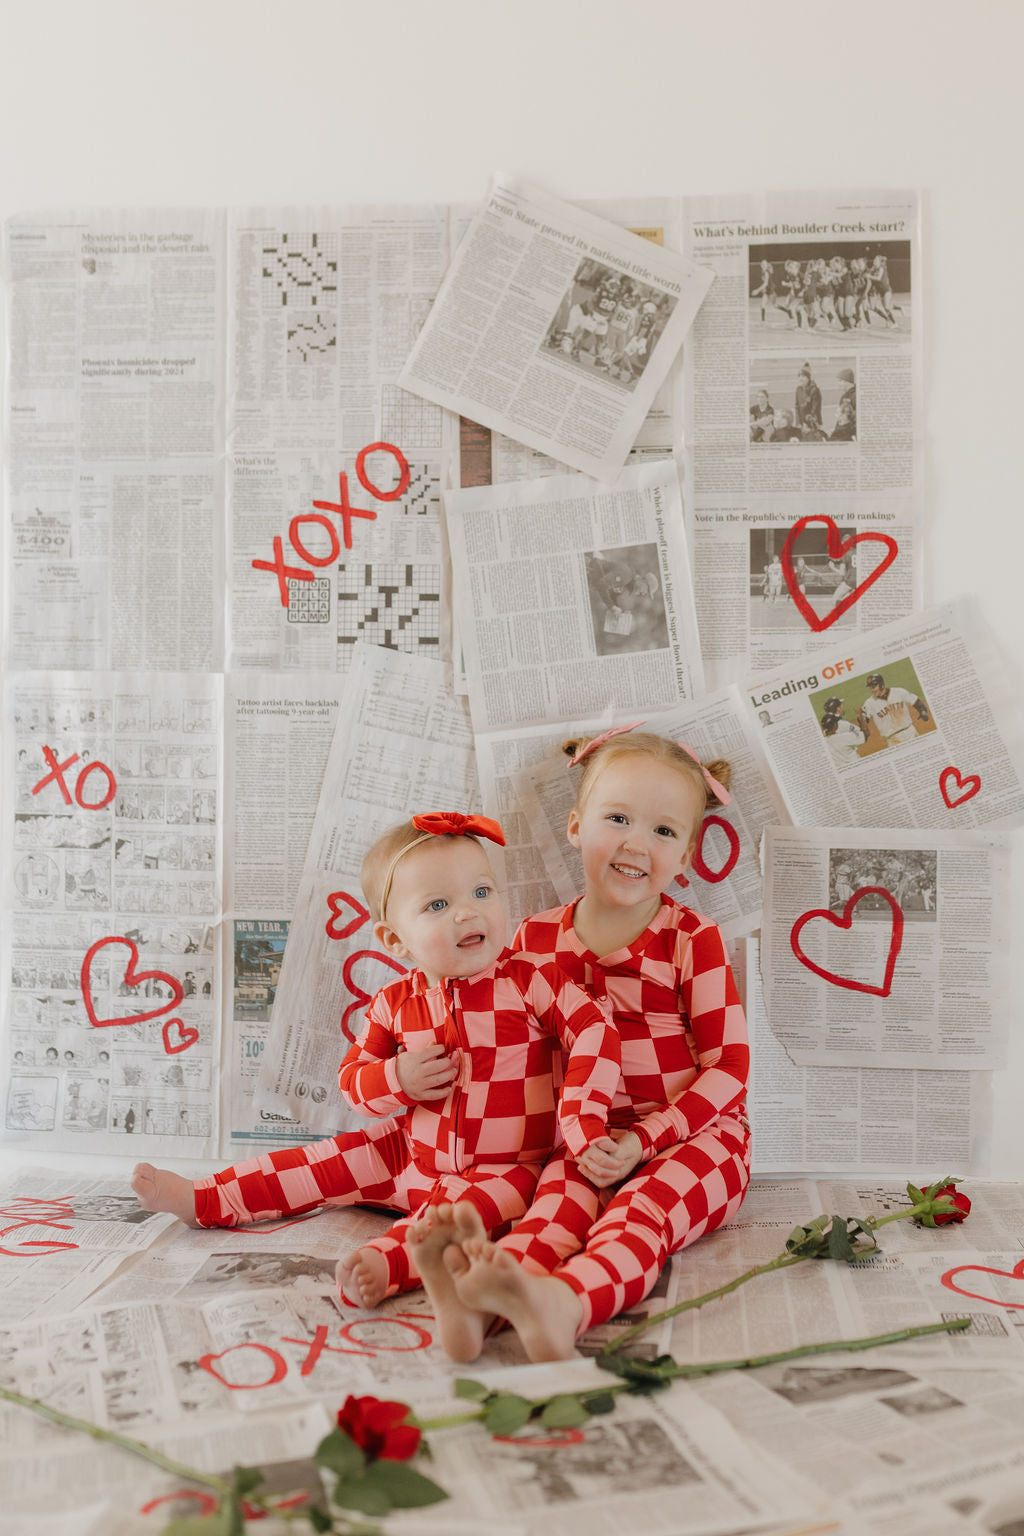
(486, 1141)
(685, 1060)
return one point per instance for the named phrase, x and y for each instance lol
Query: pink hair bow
(599, 741)
(455, 824)
(712, 783)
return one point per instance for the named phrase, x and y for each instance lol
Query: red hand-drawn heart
(185, 1036)
(713, 876)
(354, 924)
(970, 783)
(1016, 1273)
(836, 549)
(361, 998)
(846, 921)
(132, 978)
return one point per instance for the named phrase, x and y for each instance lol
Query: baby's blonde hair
(380, 860)
(645, 744)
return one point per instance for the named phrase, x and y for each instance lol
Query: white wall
(235, 101)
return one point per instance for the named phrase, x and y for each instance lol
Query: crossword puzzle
(300, 271)
(312, 337)
(390, 604)
(407, 419)
(423, 496)
(309, 602)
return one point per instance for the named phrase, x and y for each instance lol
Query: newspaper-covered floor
(228, 1347)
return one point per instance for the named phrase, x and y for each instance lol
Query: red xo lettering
(56, 776)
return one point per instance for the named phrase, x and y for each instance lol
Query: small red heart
(1016, 1273)
(970, 783)
(835, 550)
(361, 997)
(354, 923)
(186, 1036)
(846, 921)
(132, 978)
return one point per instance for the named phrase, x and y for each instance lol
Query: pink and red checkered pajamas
(486, 1141)
(685, 1060)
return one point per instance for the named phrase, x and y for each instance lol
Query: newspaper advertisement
(914, 725)
(887, 948)
(402, 745)
(114, 435)
(110, 977)
(573, 598)
(279, 733)
(723, 879)
(849, 1120)
(326, 551)
(555, 328)
(325, 305)
(804, 399)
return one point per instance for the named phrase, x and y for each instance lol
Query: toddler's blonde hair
(644, 744)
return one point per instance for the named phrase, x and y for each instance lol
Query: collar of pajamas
(506, 1028)
(673, 998)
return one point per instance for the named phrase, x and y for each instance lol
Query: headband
(440, 824)
(719, 790)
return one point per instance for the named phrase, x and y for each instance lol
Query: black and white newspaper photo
(573, 597)
(915, 724)
(555, 328)
(112, 854)
(803, 386)
(115, 439)
(887, 948)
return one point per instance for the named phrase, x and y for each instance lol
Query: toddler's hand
(426, 1074)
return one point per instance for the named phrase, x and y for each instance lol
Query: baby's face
(444, 912)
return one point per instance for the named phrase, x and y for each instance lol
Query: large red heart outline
(361, 998)
(132, 978)
(836, 548)
(1016, 1273)
(846, 922)
(970, 783)
(354, 923)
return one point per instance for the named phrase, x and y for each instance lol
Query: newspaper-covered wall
(804, 408)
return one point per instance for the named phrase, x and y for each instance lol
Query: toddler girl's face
(444, 912)
(636, 830)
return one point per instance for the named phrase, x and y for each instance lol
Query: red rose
(378, 1428)
(961, 1202)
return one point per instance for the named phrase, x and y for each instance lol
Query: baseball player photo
(895, 712)
(874, 712)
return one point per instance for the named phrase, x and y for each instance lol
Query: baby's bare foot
(158, 1189)
(362, 1277)
(433, 1245)
(543, 1310)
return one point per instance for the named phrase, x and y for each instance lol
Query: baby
(467, 1044)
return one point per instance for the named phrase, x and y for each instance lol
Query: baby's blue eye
(481, 891)
(438, 905)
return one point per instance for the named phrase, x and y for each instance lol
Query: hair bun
(720, 769)
(570, 748)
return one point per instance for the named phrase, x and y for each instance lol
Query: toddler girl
(467, 1043)
(678, 1116)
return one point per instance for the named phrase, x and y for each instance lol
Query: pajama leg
(557, 1223)
(678, 1196)
(372, 1167)
(501, 1192)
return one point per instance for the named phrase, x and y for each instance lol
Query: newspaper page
(804, 401)
(724, 876)
(850, 1120)
(110, 977)
(402, 745)
(279, 732)
(913, 725)
(573, 598)
(318, 561)
(887, 948)
(325, 305)
(114, 436)
(555, 328)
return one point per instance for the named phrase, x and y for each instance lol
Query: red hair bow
(455, 824)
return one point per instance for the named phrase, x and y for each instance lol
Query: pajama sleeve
(709, 1000)
(595, 1055)
(368, 1076)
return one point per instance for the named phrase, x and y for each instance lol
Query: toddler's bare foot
(362, 1277)
(158, 1189)
(544, 1311)
(433, 1244)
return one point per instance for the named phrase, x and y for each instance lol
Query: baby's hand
(426, 1074)
(609, 1159)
